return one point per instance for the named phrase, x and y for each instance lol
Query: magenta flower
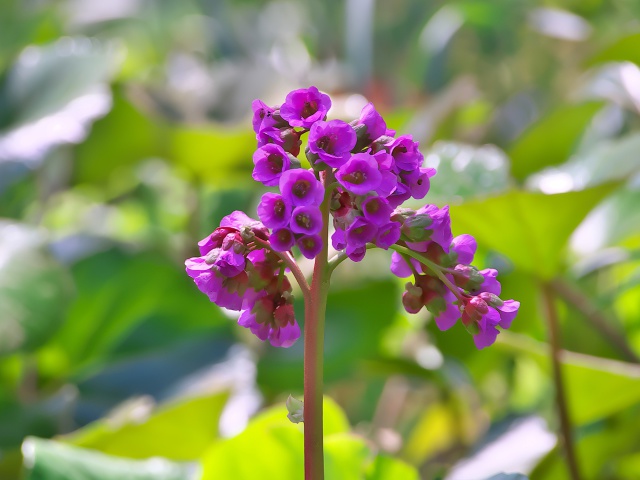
(304, 107)
(464, 247)
(332, 141)
(223, 291)
(274, 211)
(262, 116)
(440, 228)
(282, 239)
(306, 220)
(270, 161)
(388, 235)
(356, 254)
(360, 174)
(309, 245)
(377, 210)
(370, 118)
(451, 313)
(491, 283)
(507, 311)
(406, 154)
(418, 181)
(339, 239)
(361, 232)
(488, 332)
(301, 188)
(268, 320)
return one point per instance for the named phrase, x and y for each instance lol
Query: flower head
(304, 107)
(301, 188)
(270, 161)
(360, 174)
(332, 141)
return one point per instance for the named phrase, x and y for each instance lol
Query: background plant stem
(561, 400)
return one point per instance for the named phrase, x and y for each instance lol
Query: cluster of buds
(362, 173)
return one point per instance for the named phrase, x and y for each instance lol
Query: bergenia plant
(350, 200)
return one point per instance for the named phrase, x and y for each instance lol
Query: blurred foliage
(125, 137)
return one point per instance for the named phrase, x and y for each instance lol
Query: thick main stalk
(315, 309)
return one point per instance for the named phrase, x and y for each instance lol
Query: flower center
(327, 143)
(372, 206)
(275, 163)
(309, 109)
(356, 178)
(279, 208)
(301, 188)
(303, 220)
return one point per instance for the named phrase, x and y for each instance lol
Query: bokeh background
(125, 136)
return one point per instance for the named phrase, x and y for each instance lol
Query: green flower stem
(434, 267)
(314, 318)
(340, 257)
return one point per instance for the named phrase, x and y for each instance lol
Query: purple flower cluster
(236, 275)
(476, 304)
(365, 172)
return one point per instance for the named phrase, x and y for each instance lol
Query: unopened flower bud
(291, 141)
(415, 228)
(468, 277)
(475, 308)
(491, 299)
(401, 214)
(295, 408)
(412, 303)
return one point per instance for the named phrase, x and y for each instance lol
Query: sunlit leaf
(624, 49)
(384, 468)
(50, 460)
(531, 229)
(550, 140)
(178, 431)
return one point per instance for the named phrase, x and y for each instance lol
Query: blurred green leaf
(99, 156)
(276, 447)
(118, 292)
(550, 140)
(35, 290)
(466, 171)
(179, 431)
(618, 383)
(215, 155)
(624, 49)
(387, 468)
(46, 78)
(50, 460)
(531, 229)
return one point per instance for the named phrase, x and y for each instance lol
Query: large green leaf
(118, 292)
(618, 383)
(386, 468)
(35, 290)
(179, 431)
(551, 140)
(624, 49)
(276, 447)
(50, 460)
(531, 229)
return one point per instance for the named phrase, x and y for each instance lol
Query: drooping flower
(309, 245)
(405, 153)
(464, 247)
